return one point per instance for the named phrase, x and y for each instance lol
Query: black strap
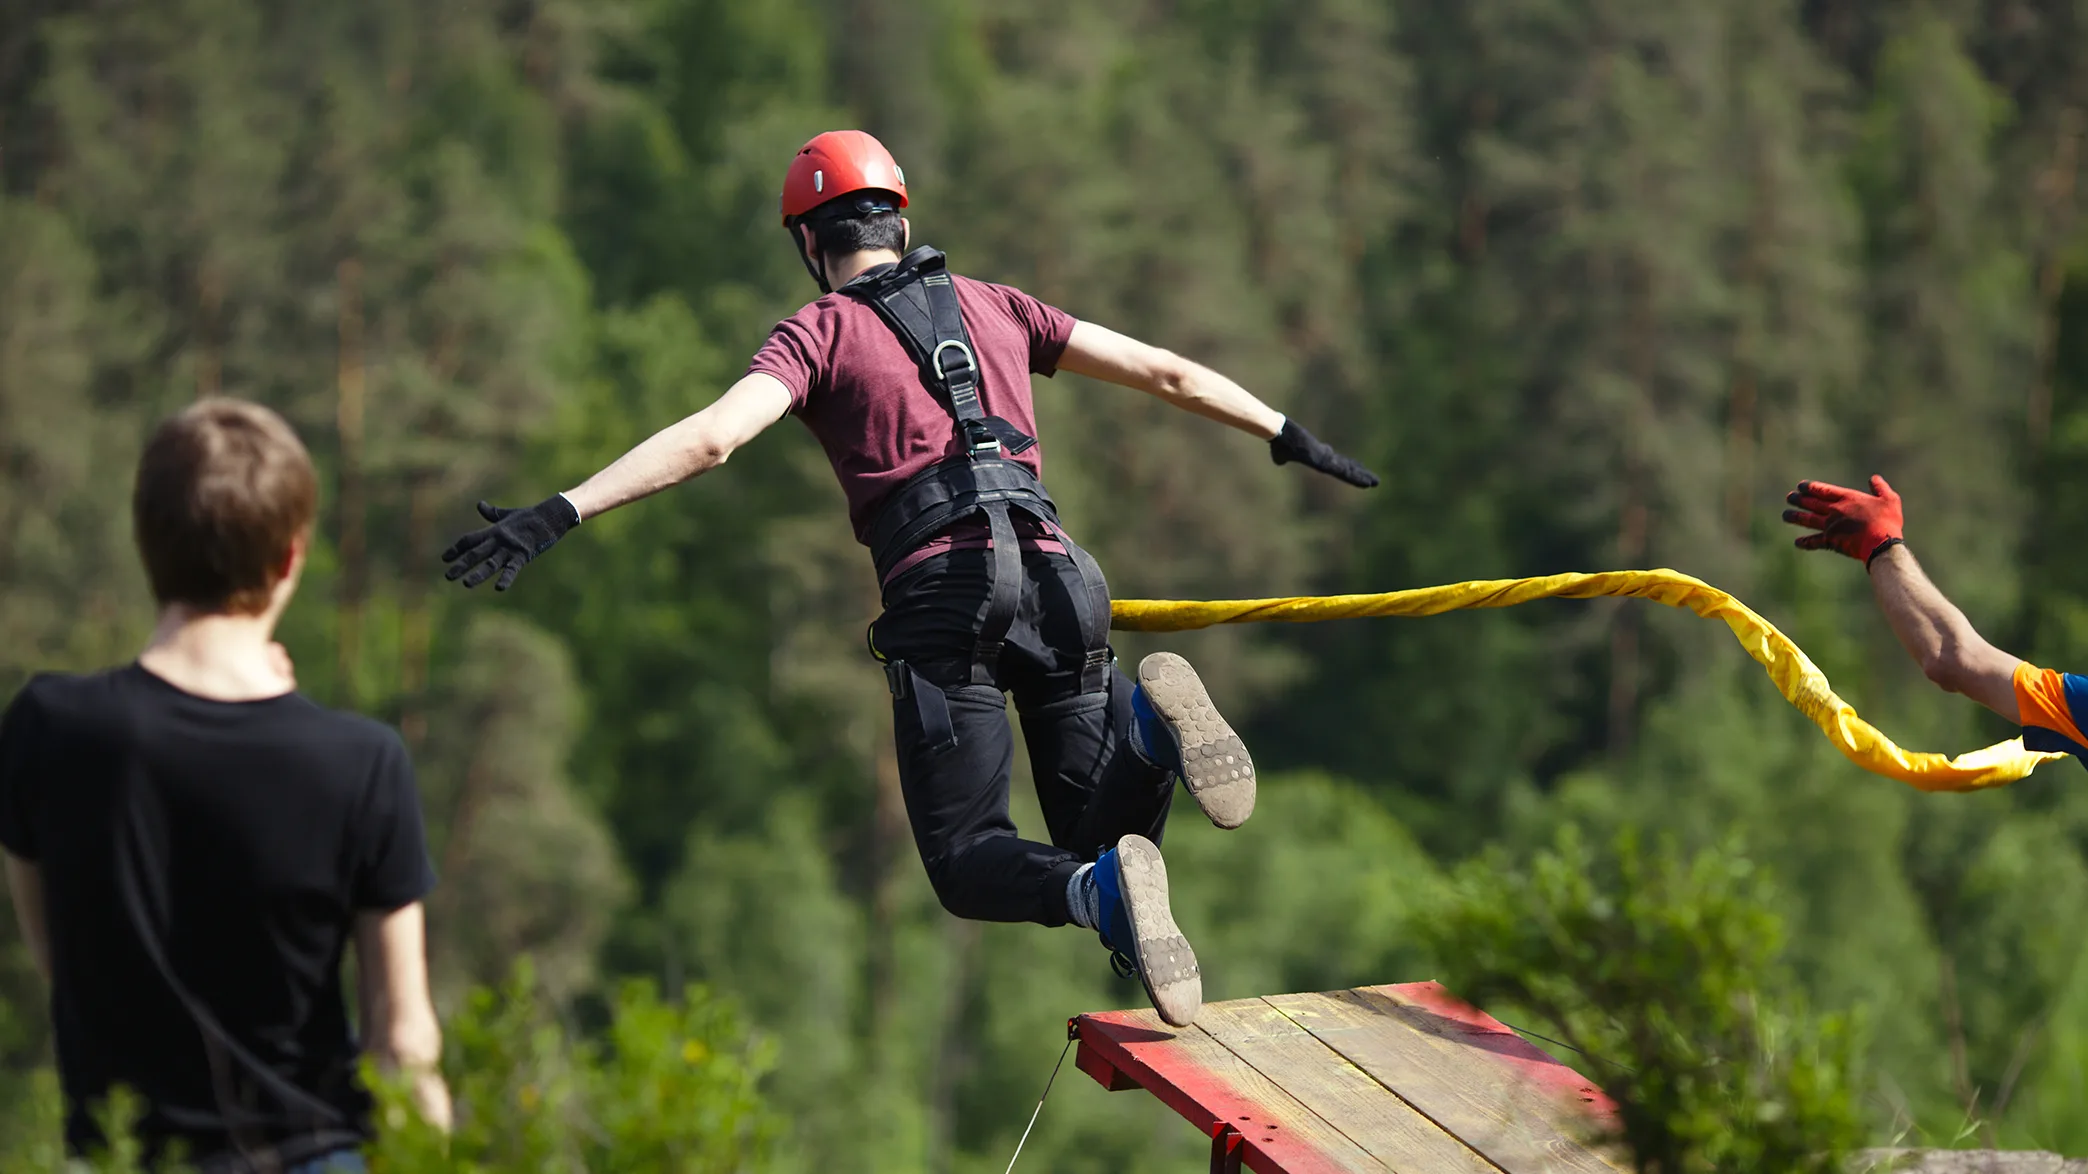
(931, 704)
(1093, 610)
(918, 300)
(998, 614)
(930, 501)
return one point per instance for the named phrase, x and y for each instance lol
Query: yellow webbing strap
(1801, 682)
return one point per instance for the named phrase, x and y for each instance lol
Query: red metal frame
(1109, 1051)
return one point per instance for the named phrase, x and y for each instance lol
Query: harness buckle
(980, 437)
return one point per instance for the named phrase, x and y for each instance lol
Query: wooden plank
(1543, 1070)
(1338, 1092)
(1198, 1077)
(1480, 1082)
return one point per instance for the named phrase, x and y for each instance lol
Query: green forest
(1590, 283)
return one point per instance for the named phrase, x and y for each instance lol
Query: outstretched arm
(1932, 629)
(1101, 353)
(688, 448)
(1868, 527)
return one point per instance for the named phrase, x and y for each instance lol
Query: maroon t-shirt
(855, 386)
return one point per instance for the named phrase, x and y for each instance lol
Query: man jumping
(2050, 706)
(916, 383)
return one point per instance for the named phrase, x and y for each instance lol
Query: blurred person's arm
(1869, 526)
(1101, 353)
(687, 448)
(398, 1013)
(25, 888)
(1931, 628)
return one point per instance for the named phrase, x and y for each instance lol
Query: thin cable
(1545, 1038)
(1040, 1105)
(1559, 1042)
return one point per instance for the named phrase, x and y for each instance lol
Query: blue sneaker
(1184, 733)
(1131, 881)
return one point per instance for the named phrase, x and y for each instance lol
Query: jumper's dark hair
(854, 223)
(224, 489)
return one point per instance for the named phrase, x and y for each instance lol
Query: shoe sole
(1215, 765)
(1166, 963)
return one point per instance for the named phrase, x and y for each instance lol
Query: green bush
(32, 1129)
(1663, 972)
(666, 1088)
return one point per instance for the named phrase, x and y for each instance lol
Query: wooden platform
(1388, 1078)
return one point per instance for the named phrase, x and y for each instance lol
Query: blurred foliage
(32, 1137)
(1591, 282)
(1659, 973)
(664, 1086)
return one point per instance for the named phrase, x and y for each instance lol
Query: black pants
(1093, 787)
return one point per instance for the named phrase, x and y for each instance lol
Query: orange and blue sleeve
(2053, 706)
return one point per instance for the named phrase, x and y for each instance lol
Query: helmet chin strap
(864, 203)
(817, 271)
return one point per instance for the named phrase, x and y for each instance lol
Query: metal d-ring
(935, 357)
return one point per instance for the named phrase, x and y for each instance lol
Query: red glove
(1856, 523)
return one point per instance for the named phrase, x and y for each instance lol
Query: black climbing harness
(918, 300)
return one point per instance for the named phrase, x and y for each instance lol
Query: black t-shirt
(202, 863)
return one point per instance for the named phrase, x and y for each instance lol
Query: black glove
(1296, 444)
(514, 538)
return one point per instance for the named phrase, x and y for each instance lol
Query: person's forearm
(432, 1097)
(1101, 353)
(676, 453)
(25, 888)
(1930, 627)
(1936, 633)
(689, 448)
(398, 1025)
(1870, 528)
(1924, 621)
(415, 1051)
(1194, 387)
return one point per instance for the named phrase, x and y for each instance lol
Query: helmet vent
(819, 181)
(900, 172)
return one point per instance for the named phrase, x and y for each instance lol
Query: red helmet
(835, 164)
